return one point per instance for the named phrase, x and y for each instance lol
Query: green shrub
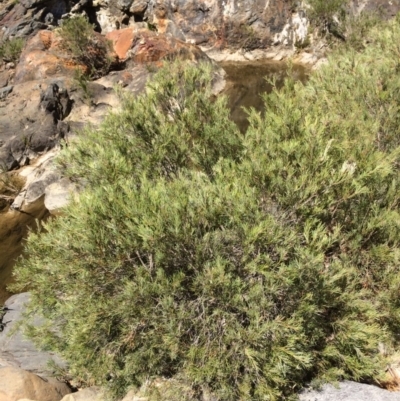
(239, 266)
(322, 15)
(88, 48)
(173, 126)
(358, 29)
(81, 81)
(323, 9)
(11, 49)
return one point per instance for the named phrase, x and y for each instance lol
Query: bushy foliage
(359, 30)
(87, 47)
(327, 16)
(173, 126)
(244, 266)
(323, 9)
(11, 49)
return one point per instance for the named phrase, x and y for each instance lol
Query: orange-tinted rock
(122, 41)
(150, 47)
(146, 46)
(42, 58)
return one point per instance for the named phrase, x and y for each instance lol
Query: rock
(58, 195)
(5, 91)
(150, 47)
(17, 383)
(86, 394)
(32, 3)
(19, 22)
(145, 46)
(386, 9)
(18, 352)
(122, 41)
(28, 197)
(107, 20)
(4, 78)
(34, 125)
(124, 5)
(25, 17)
(43, 57)
(166, 26)
(139, 7)
(349, 391)
(134, 395)
(25, 399)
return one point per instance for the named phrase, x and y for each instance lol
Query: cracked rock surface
(350, 391)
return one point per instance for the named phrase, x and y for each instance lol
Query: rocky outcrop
(32, 124)
(211, 23)
(219, 23)
(145, 46)
(25, 17)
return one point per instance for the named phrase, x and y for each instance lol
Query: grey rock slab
(18, 351)
(349, 391)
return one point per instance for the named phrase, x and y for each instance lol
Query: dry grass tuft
(11, 184)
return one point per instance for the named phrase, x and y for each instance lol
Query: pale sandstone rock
(16, 383)
(86, 394)
(58, 195)
(25, 399)
(350, 391)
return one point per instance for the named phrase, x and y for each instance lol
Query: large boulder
(16, 384)
(34, 124)
(16, 350)
(58, 194)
